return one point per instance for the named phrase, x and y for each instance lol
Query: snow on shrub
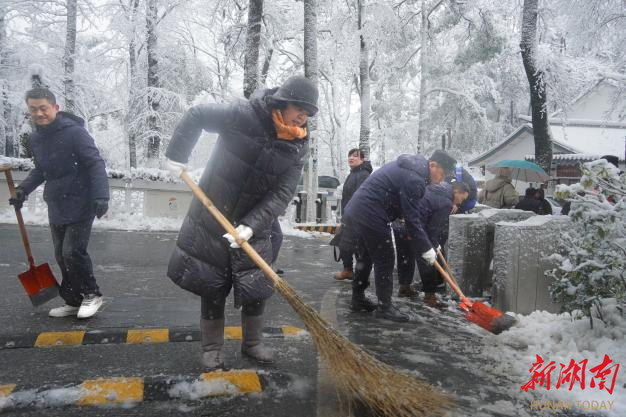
(591, 265)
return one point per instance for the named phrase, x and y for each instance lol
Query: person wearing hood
(360, 169)
(76, 191)
(391, 192)
(251, 177)
(499, 192)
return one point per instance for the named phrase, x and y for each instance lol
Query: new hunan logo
(602, 376)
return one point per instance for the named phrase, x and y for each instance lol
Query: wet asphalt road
(439, 347)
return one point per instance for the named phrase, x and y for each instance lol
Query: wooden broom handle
(452, 284)
(20, 219)
(200, 195)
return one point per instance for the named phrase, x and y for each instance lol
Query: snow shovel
(38, 281)
(357, 373)
(489, 318)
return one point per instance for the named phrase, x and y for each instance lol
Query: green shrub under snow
(590, 276)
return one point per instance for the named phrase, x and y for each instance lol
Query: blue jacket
(467, 178)
(392, 191)
(67, 160)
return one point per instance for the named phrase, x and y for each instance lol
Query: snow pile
(560, 339)
(117, 221)
(201, 388)
(151, 174)
(17, 164)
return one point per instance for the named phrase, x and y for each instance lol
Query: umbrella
(521, 170)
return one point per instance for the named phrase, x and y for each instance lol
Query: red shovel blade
(40, 284)
(489, 318)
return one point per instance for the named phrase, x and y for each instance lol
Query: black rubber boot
(360, 303)
(251, 342)
(391, 312)
(212, 342)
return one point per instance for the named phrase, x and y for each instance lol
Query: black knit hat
(298, 90)
(444, 160)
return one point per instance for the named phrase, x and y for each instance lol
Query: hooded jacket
(68, 161)
(392, 191)
(499, 193)
(251, 177)
(353, 182)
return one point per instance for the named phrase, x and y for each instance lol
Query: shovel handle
(20, 219)
(447, 267)
(225, 223)
(453, 285)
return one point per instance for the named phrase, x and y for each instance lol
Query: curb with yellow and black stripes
(127, 391)
(129, 336)
(323, 228)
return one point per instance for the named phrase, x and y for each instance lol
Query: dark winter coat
(392, 191)
(544, 206)
(529, 204)
(251, 177)
(434, 211)
(353, 182)
(67, 160)
(468, 204)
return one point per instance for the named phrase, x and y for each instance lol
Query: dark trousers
(70, 250)
(405, 253)
(374, 249)
(212, 309)
(276, 237)
(346, 259)
(407, 257)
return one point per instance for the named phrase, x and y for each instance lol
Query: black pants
(70, 250)
(346, 259)
(407, 257)
(374, 249)
(405, 253)
(276, 237)
(214, 309)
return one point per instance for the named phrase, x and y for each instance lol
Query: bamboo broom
(356, 373)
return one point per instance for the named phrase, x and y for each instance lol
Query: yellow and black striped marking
(125, 391)
(323, 228)
(129, 336)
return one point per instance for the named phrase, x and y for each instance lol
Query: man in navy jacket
(393, 191)
(76, 191)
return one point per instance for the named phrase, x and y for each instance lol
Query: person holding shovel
(76, 191)
(393, 191)
(251, 177)
(434, 210)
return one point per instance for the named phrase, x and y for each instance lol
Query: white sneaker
(64, 311)
(90, 305)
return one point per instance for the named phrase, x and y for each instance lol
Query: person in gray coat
(251, 177)
(499, 192)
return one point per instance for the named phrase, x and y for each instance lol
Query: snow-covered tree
(592, 263)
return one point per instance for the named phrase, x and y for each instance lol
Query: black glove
(18, 200)
(100, 206)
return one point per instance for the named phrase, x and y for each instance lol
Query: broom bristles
(356, 373)
(363, 377)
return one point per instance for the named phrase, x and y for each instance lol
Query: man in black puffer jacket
(360, 169)
(76, 191)
(251, 177)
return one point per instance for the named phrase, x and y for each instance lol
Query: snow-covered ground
(558, 338)
(554, 337)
